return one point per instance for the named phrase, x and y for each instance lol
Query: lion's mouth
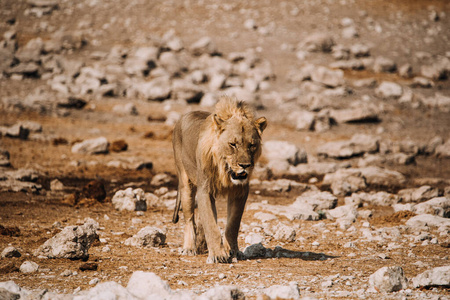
(239, 176)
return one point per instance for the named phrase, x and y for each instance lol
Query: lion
(215, 154)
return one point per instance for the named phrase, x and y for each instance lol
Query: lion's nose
(244, 166)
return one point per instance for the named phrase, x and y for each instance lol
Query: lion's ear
(261, 124)
(218, 121)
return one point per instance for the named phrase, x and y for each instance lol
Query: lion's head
(231, 144)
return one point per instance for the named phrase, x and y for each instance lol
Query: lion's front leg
(217, 252)
(236, 205)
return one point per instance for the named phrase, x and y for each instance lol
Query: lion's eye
(233, 145)
(252, 147)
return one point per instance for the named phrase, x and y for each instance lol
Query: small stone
(29, 267)
(254, 238)
(147, 237)
(147, 285)
(318, 42)
(360, 50)
(56, 185)
(130, 199)
(290, 291)
(303, 120)
(284, 233)
(118, 146)
(204, 45)
(91, 146)
(4, 158)
(89, 267)
(388, 90)
(405, 71)
(328, 77)
(383, 64)
(10, 252)
(126, 109)
(327, 284)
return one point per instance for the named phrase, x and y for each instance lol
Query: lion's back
(185, 140)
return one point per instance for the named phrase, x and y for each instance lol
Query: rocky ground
(351, 199)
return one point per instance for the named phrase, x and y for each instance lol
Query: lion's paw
(224, 257)
(188, 252)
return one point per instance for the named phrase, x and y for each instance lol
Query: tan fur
(215, 156)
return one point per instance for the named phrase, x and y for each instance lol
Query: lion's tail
(175, 217)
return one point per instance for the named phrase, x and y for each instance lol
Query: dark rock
(94, 190)
(89, 266)
(72, 102)
(118, 146)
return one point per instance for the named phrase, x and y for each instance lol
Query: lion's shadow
(258, 251)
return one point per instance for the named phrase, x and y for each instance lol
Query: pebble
(28, 267)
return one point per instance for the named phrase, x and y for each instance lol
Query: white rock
(317, 199)
(316, 168)
(148, 285)
(439, 276)
(437, 206)
(444, 149)
(318, 42)
(423, 193)
(388, 279)
(426, 221)
(56, 185)
(383, 64)
(402, 207)
(388, 90)
(379, 198)
(264, 217)
(184, 90)
(91, 146)
(204, 45)
(157, 89)
(328, 77)
(10, 251)
(147, 237)
(434, 71)
(171, 63)
(72, 242)
(126, 109)
(348, 212)
(106, 290)
(284, 151)
(160, 179)
(217, 82)
(360, 50)
(365, 113)
(284, 233)
(303, 120)
(290, 291)
(28, 267)
(357, 145)
(130, 199)
(254, 238)
(208, 100)
(221, 292)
